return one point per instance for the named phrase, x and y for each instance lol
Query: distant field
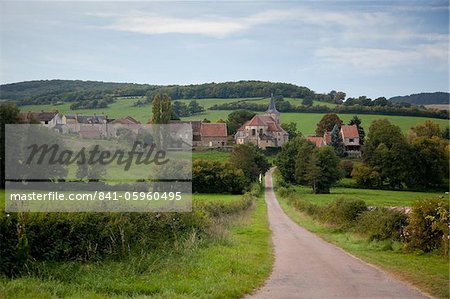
(211, 155)
(371, 197)
(306, 122)
(120, 108)
(439, 106)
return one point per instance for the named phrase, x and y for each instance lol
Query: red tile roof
(213, 130)
(263, 120)
(349, 131)
(318, 141)
(40, 116)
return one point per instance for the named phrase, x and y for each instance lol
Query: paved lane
(308, 267)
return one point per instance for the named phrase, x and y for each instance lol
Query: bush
(428, 227)
(344, 213)
(217, 177)
(382, 224)
(365, 176)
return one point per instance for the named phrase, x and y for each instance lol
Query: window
(351, 140)
(253, 132)
(260, 131)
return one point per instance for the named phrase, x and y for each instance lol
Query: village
(263, 130)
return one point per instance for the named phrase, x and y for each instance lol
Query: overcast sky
(373, 48)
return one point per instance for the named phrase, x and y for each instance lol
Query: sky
(372, 48)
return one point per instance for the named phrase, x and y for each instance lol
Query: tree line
(418, 160)
(377, 108)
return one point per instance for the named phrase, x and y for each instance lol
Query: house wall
(214, 141)
(347, 141)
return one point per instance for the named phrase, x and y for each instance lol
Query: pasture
(306, 122)
(372, 197)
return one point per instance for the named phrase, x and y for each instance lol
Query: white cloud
(370, 60)
(222, 26)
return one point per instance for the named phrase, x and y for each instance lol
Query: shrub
(344, 213)
(217, 177)
(365, 176)
(382, 224)
(428, 227)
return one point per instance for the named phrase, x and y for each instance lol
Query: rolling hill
(424, 98)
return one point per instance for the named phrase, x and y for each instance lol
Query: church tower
(272, 110)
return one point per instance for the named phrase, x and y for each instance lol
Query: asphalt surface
(308, 267)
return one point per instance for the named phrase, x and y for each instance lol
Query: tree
(205, 120)
(220, 121)
(286, 160)
(305, 150)
(388, 153)
(327, 123)
(365, 175)
(180, 109)
(194, 107)
(323, 170)
(9, 114)
(430, 162)
(250, 159)
(236, 119)
(161, 108)
(428, 129)
(336, 141)
(381, 101)
(307, 102)
(291, 129)
(361, 132)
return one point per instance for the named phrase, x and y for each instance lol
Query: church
(263, 130)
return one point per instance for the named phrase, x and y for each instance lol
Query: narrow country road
(308, 267)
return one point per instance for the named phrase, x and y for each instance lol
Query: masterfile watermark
(141, 153)
(98, 167)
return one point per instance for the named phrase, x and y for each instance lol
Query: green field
(211, 155)
(306, 122)
(371, 197)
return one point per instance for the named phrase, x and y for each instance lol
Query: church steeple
(272, 110)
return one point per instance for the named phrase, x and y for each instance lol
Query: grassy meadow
(386, 198)
(306, 122)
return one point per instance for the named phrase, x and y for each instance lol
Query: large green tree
(194, 107)
(180, 109)
(161, 109)
(327, 123)
(388, 152)
(250, 159)
(323, 170)
(305, 150)
(286, 160)
(291, 129)
(237, 118)
(336, 141)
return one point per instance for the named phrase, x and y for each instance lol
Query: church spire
(272, 110)
(272, 107)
